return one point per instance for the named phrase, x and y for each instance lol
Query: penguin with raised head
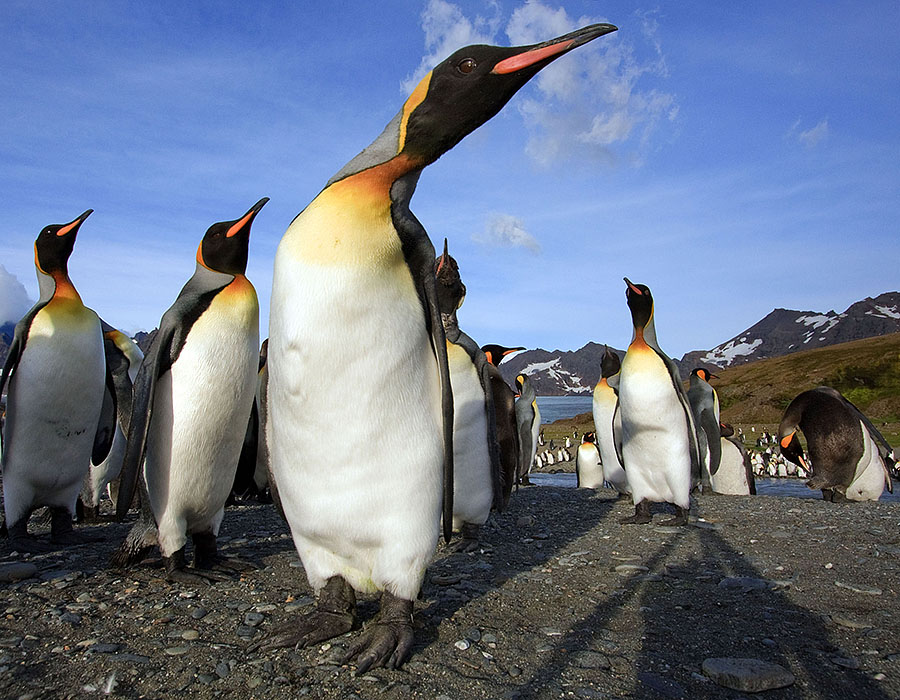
(123, 358)
(192, 401)
(354, 292)
(59, 413)
(605, 404)
(477, 485)
(658, 440)
(588, 470)
(504, 414)
(850, 459)
(704, 403)
(528, 421)
(735, 474)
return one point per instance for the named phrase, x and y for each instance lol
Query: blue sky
(735, 158)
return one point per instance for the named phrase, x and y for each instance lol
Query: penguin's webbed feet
(208, 559)
(335, 614)
(681, 518)
(468, 543)
(62, 532)
(641, 515)
(177, 571)
(21, 541)
(388, 640)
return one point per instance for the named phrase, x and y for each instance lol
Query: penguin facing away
(123, 358)
(192, 402)
(850, 457)
(605, 411)
(504, 399)
(528, 420)
(588, 470)
(356, 344)
(60, 414)
(658, 440)
(476, 454)
(705, 409)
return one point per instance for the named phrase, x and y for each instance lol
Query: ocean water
(793, 488)
(553, 408)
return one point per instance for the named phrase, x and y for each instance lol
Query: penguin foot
(62, 532)
(21, 541)
(469, 541)
(681, 518)
(335, 614)
(207, 557)
(177, 571)
(641, 515)
(388, 640)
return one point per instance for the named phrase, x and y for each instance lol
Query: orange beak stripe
(786, 440)
(523, 60)
(238, 225)
(68, 227)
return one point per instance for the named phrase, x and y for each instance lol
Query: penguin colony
(364, 350)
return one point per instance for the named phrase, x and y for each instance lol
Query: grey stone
(199, 613)
(850, 623)
(858, 589)
(474, 634)
(590, 659)
(845, 662)
(743, 583)
(16, 571)
(628, 569)
(102, 648)
(747, 675)
(223, 668)
(253, 618)
(663, 686)
(176, 651)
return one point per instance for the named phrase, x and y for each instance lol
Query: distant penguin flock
(365, 353)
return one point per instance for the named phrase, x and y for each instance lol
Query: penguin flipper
(617, 433)
(106, 426)
(710, 425)
(497, 476)
(16, 348)
(696, 461)
(419, 254)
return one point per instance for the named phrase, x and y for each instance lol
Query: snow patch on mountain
(725, 354)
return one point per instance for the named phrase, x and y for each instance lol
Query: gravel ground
(561, 601)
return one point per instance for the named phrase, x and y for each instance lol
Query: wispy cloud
(506, 231)
(448, 29)
(14, 301)
(592, 104)
(810, 138)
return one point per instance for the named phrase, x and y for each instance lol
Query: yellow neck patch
(413, 101)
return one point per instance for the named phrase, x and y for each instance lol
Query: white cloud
(446, 30)
(592, 103)
(809, 137)
(14, 301)
(506, 231)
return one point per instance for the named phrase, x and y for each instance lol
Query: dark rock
(747, 675)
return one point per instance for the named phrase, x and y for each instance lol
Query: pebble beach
(793, 598)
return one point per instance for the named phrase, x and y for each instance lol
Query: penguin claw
(383, 644)
(188, 578)
(312, 628)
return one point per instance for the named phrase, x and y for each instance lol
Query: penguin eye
(466, 66)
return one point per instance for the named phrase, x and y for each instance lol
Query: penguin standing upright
(658, 439)
(357, 352)
(588, 470)
(59, 415)
(476, 455)
(192, 401)
(705, 409)
(504, 399)
(605, 405)
(123, 358)
(850, 457)
(528, 420)
(735, 474)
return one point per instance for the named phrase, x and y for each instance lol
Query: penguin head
(726, 430)
(610, 364)
(225, 246)
(640, 302)
(54, 245)
(451, 292)
(791, 448)
(471, 86)
(704, 374)
(588, 437)
(497, 353)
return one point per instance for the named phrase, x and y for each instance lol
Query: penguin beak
(247, 219)
(443, 258)
(547, 51)
(632, 287)
(74, 225)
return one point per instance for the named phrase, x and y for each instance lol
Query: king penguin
(528, 420)
(477, 474)
(704, 403)
(60, 415)
(658, 439)
(850, 457)
(123, 358)
(605, 405)
(588, 470)
(192, 401)
(357, 353)
(735, 474)
(504, 415)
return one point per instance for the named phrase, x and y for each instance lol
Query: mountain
(782, 332)
(6, 336)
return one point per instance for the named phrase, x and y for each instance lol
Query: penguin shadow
(535, 526)
(710, 604)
